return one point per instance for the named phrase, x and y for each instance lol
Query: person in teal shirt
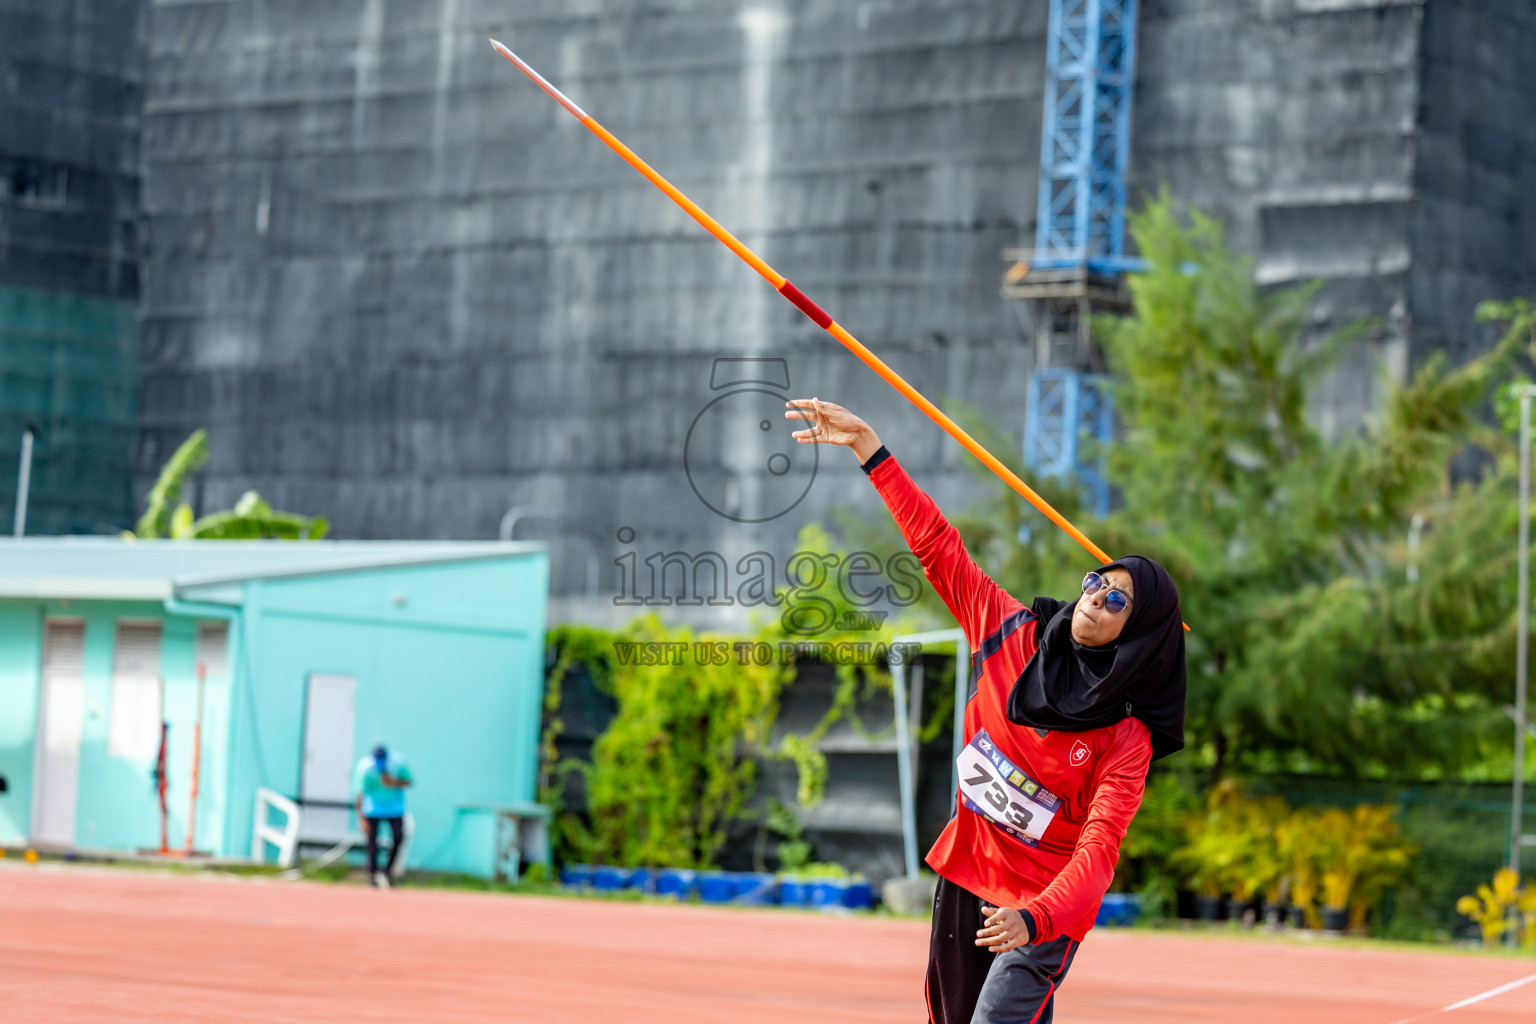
(378, 788)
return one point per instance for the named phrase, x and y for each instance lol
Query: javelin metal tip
(543, 83)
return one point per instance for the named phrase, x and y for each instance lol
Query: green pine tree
(1310, 649)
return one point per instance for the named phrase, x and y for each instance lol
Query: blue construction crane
(1065, 408)
(1080, 223)
(1085, 139)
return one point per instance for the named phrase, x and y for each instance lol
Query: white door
(326, 781)
(60, 714)
(133, 723)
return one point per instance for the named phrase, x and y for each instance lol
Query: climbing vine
(678, 762)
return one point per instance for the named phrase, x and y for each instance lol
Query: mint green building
(290, 661)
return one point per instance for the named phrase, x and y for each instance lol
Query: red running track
(86, 944)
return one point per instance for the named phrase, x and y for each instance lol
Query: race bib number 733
(998, 790)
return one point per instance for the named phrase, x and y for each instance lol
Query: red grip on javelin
(803, 301)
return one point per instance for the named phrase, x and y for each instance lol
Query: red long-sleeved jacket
(1099, 775)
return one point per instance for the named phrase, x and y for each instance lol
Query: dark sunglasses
(1115, 601)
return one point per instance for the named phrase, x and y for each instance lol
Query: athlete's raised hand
(832, 424)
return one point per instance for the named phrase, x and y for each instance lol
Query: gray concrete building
(71, 96)
(405, 290)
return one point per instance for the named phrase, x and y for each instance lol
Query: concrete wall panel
(406, 291)
(1476, 173)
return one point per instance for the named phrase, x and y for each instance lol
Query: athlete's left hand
(1005, 930)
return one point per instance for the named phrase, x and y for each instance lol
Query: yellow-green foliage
(252, 518)
(1160, 825)
(1302, 851)
(1262, 866)
(1233, 847)
(164, 499)
(677, 764)
(1333, 857)
(811, 767)
(1503, 907)
(1364, 855)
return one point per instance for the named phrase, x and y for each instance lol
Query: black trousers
(968, 985)
(371, 830)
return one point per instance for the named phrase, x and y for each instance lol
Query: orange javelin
(810, 309)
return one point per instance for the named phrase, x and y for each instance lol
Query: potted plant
(1491, 906)
(1275, 901)
(1300, 848)
(1527, 906)
(1365, 854)
(1382, 859)
(1213, 852)
(822, 885)
(1207, 859)
(1340, 865)
(1256, 865)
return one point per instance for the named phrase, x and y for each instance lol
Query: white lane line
(1491, 993)
(1474, 999)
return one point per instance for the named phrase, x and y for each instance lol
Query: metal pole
(1415, 535)
(910, 646)
(904, 761)
(1522, 633)
(23, 483)
(516, 512)
(197, 757)
(915, 683)
(588, 549)
(962, 692)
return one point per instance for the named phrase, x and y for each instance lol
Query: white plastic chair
(285, 838)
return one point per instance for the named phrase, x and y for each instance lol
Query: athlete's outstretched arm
(1119, 781)
(977, 603)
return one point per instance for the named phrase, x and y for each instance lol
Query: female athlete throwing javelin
(1070, 703)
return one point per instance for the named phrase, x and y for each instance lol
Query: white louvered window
(64, 648)
(134, 728)
(213, 649)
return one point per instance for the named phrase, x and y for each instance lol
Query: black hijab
(1072, 688)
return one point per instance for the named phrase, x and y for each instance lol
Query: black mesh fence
(1461, 830)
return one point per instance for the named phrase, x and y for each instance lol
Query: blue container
(674, 882)
(715, 887)
(1118, 908)
(576, 875)
(794, 893)
(753, 888)
(827, 893)
(858, 895)
(606, 879)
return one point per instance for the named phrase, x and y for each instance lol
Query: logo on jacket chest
(1079, 754)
